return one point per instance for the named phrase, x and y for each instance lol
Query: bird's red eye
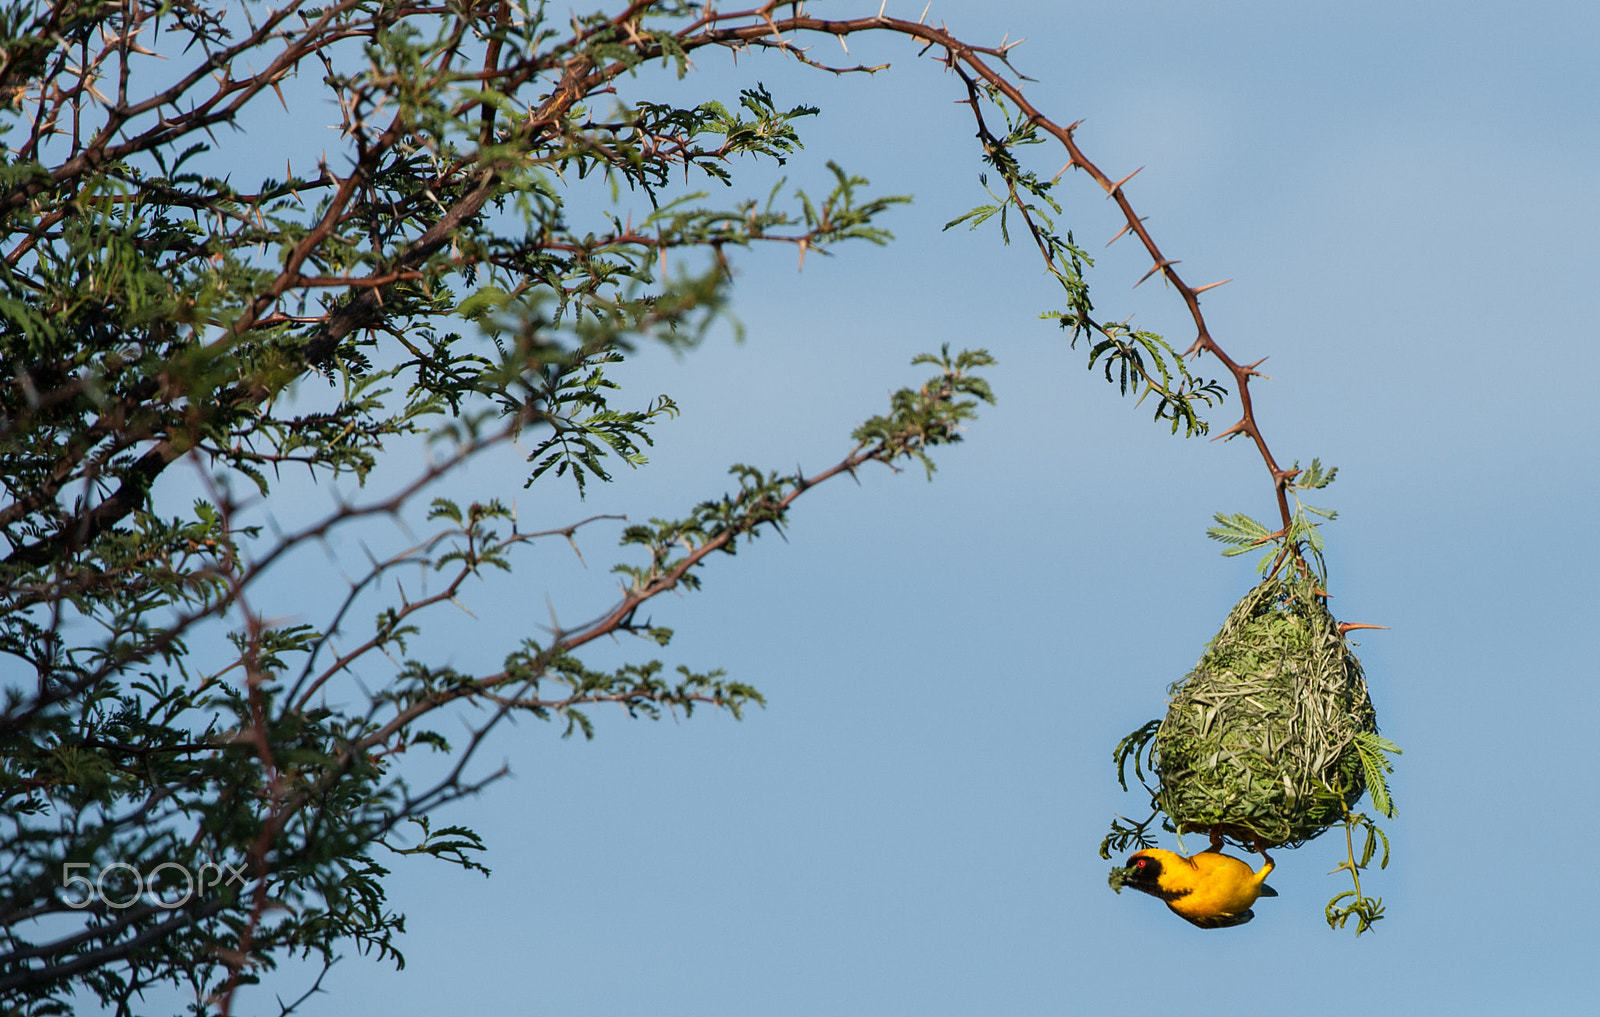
(1139, 864)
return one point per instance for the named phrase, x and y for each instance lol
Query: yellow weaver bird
(1210, 889)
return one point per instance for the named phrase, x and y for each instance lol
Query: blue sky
(1404, 195)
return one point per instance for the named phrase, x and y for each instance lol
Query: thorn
(1211, 286)
(925, 11)
(1062, 171)
(1200, 344)
(882, 7)
(1241, 427)
(1250, 369)
(1124, 229)
(1114, 188)
(1159, 266)
(1352, 626)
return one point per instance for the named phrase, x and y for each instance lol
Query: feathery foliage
(192, 792)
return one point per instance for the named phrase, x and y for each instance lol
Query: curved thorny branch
(411, 257)
(990, 66)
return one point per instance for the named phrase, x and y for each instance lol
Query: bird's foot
(1261, 849)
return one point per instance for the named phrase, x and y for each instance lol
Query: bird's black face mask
(1144, 874)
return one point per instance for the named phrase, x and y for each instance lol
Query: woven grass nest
(1264, 739)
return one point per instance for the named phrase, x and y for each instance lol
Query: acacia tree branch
(738, 28)
(475, 180)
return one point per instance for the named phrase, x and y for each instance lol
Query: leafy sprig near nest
(1301, 536)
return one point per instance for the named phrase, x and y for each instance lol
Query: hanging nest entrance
(1272, 736)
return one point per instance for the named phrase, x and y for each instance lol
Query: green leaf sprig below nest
(1353, 903)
